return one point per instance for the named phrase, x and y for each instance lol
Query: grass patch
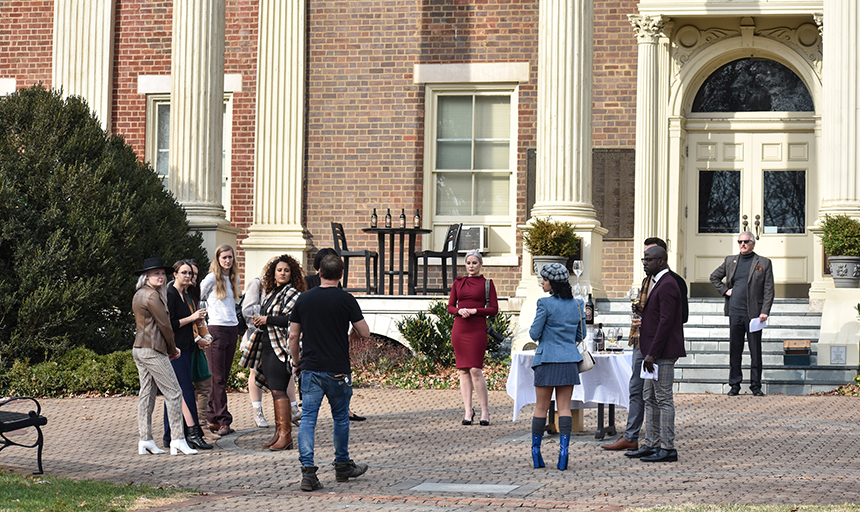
(25, 493)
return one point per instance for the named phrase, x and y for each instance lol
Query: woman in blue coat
(558, 327)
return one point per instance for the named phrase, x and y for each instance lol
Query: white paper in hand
(645, 374)
(757, 325)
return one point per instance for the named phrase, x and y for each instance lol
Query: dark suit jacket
(759, 285)
(662, 332)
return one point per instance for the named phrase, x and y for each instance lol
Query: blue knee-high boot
(565, 423)
(538, 426)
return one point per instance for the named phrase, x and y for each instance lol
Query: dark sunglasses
(742, 242)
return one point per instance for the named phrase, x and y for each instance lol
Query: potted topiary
(840, 238)
(551, 241)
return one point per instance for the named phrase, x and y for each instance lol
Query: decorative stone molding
(690, 40)
(647, 28)
(805, 40)
(818, 18)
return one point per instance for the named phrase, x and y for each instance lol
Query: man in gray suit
(748, 289)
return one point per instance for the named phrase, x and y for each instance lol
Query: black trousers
(739, 326)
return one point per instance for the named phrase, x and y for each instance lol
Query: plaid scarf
(278, 302)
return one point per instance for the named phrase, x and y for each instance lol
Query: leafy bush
(80, 212)
(548, 237)
(80, 371)
(840, 235)
(430, 333)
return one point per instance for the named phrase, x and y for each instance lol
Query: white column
(83, 53)
(647, 202)
(278, 162)
(563, 181)
(197, 117)
(840, 152)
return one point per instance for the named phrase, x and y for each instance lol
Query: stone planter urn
(540, 261)
(845, 271)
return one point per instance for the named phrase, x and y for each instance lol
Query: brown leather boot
(277, 434)
(283, 415)
(201, 389)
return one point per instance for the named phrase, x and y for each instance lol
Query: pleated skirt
(557, 374)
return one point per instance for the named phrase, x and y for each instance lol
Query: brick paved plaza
(775, 449)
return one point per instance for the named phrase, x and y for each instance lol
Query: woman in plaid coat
(268, 351)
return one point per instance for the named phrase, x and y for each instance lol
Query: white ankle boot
(144, 447)
(259, 419)
(179, 445)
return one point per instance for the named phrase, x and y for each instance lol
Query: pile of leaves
(846, 390)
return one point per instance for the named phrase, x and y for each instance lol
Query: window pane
(454, 155)
(753, 85)
(454, 193)
(455, 118)
(784, 201)
(162, 145)
(719, 201)
(492, 193)
(493, 117)
(492, 155)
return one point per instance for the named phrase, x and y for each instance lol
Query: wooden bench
(11, 421)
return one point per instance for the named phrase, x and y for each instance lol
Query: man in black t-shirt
(322, 317)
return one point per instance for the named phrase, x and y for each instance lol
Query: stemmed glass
(577, 269)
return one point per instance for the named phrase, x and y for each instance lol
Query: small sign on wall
(838, 354)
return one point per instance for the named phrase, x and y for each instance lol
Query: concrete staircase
(706, 367)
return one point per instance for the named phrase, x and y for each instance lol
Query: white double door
(762, 182)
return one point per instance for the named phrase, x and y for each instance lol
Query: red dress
(469, 335)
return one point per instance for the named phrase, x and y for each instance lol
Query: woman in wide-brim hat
(154, 347)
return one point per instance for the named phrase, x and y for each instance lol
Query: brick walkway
(775, 449)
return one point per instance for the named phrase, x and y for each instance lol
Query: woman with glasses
(200, 375)
(184, 319)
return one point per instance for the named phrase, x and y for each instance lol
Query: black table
(400, 271)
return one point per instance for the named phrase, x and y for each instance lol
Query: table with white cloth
(608, 383)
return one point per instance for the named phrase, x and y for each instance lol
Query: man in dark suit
(636, 408)
(661, 340)
(748, 290)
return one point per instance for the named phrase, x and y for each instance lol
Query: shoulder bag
(587, 362)
(491, 331)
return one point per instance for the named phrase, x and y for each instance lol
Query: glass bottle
(388, 218)
(589, 311)
(402, 218)
(416, 221)
(373, 219)
(598, 338)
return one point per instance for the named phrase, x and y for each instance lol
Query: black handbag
(243, 325)
(491, 331)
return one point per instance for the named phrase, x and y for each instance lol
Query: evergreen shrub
(80, 212)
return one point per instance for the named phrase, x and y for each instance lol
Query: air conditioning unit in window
(473, 237)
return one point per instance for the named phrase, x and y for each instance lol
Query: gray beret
(555, 272)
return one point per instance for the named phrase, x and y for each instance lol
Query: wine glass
(255, 311)
(633, 294)
(577, 269)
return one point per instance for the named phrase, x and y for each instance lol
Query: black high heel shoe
(469, 421)
(486, 422)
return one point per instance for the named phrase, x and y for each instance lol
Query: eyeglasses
(742, 242)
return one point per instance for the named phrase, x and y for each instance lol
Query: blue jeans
(315, 385)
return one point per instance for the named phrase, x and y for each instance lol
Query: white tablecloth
(607, 383)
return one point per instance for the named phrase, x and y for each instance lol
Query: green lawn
(44, 493)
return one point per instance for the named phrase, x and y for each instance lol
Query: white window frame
(502, 228)
(153, 101)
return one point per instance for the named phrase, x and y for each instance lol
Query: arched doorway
(750, 166)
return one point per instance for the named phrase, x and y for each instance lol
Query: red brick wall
(618, 261)
(615, 55)
(26, 40)
(365, 116)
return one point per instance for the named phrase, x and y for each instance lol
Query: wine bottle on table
(373, 219)
(416, 221)
(402, 218)
(589, 311)
(388, 218)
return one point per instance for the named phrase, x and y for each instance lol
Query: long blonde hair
(215, 268)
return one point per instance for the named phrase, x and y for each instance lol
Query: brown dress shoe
(621, 444)
(224, 430)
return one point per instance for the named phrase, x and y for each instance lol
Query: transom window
(753, 85)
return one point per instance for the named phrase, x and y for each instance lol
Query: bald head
(654, 261)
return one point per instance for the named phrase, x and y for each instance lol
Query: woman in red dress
(469, 335)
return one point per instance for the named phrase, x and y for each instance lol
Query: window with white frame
(158, 141)
(472, 151)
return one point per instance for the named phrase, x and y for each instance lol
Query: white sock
(257, 405)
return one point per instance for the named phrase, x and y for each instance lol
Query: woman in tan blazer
(153, 349)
